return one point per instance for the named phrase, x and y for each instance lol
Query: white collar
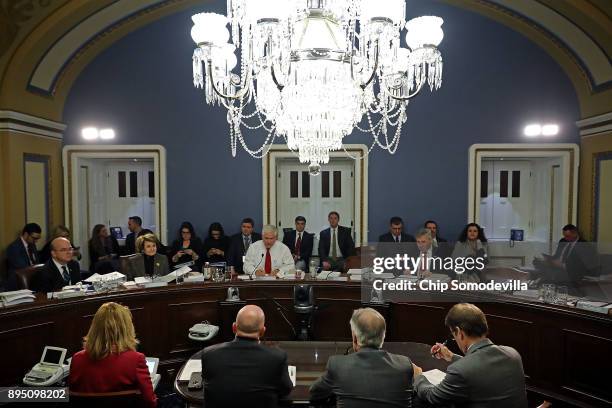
(59, 265)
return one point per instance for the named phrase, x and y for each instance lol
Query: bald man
(59, 271)
(244, 373)
(370, 377)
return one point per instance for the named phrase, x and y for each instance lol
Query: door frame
(570, 158)
(70, 162)
(280, 151)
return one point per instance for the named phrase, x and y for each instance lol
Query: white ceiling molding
(592, 57)
(59, 54)
(595, 125)
(31, 125)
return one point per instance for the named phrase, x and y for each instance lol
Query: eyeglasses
(65, 250)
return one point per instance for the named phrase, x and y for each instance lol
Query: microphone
(279, 309)
(256, 266)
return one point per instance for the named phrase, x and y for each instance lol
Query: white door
(505, 197)
(131, 192)
(314, 197)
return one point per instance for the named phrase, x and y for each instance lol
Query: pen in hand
(433, 354)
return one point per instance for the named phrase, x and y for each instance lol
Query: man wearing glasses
(22, 253)
(486, 376)
(59, 271)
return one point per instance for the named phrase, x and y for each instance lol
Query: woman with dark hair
(472, 243)
(187, 247)
(216, 244)
(102, 249)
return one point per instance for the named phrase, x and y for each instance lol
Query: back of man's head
(250, 322)
(368, 327)
(467, 317)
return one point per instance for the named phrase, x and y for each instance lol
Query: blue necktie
(65, 274)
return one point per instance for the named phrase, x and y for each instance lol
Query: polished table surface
(310, 359)
(565, 350)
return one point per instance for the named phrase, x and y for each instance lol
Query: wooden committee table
(566, 351)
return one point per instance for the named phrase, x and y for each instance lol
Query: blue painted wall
(495, 81)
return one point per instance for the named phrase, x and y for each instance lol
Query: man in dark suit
(429, 255)
(573, 259)
(396, 232)
(487, 376)
(370, 377)
(335, 244)
(59, 271)
(300, 243)
(443, 247)
(243, 373)
(135, 227)
(239, 244)
(22, 253)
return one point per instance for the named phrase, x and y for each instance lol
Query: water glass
(550, 293)
(562, 295)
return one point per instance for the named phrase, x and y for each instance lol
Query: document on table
(434, 376)
(192, 366)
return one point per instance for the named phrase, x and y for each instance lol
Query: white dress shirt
(339, 253)
(256, 258)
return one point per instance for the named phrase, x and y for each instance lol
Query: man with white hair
(269, 256)
(370, 377)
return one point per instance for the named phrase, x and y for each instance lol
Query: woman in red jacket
(109, 361)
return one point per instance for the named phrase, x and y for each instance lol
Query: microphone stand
(281, 309)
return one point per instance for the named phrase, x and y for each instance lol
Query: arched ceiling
(45, 44)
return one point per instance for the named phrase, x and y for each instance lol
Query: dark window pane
(121, 182)
(133, 184)
(503, 183)
(293, 184)
(337, 184)
(484, 184)
(151, 184)
(516, 183)
(325, 184)
(305, 184)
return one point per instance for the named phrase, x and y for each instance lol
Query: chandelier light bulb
(533, 130)
(89, 133)
(425, 30)
(550, 129)
(209, 28)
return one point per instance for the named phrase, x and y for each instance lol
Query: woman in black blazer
(147, 261)
(187, 247)
(216, 244)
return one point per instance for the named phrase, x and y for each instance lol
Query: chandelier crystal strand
(311, 70)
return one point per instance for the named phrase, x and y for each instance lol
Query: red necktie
(298, 245)
(268, 264)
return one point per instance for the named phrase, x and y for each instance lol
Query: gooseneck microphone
(256, 266)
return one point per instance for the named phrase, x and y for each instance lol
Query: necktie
(31, 255)
(268, 264)
(247, 242)
(298, 245)
(65, 274)
(334, 253)
(397, 239)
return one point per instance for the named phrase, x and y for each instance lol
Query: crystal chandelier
(311, 71)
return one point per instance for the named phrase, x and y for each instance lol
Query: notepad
(192, 366)
(434, 376)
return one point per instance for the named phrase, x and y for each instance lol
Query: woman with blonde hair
(146, 261)
(109, 361)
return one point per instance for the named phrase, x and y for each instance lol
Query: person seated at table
(573, 259)
(244, 373)
(444, 247)
(396, 232)
(187, 247)
(335, 244)
(268, 256)
(136, 230)
(59, 231)
(22, 253)
(395, 242)
(103, 249)
(428, 254)
(300, 243)
(472, 243)
(216, 244)
(109, 361)
(147, 262)
(487, 376)
(59, 271)
(240, 243)
(370, 377)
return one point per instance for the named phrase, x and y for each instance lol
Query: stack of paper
(599, 307)
(192, 366)
(434, 376)
(16, 297)
(109, 277)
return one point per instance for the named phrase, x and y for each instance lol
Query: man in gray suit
(488, 375)
(370, 377)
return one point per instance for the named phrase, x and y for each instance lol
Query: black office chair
(117, 399)
(24, 276)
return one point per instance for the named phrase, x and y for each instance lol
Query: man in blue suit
(22, 253)
(335, 244)
(300, 243)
